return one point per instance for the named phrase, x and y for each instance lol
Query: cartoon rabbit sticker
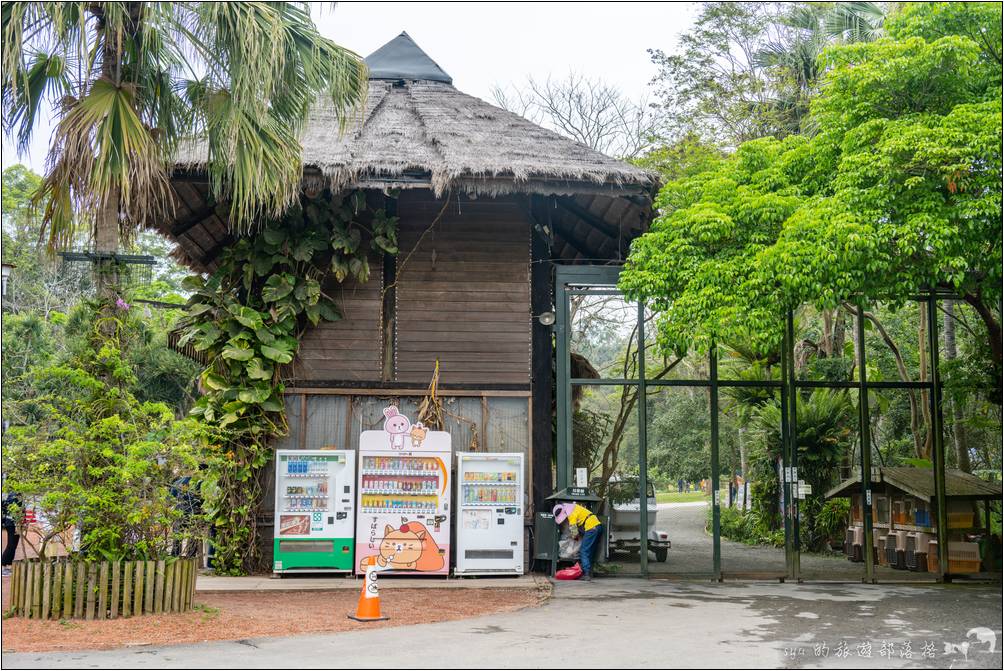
(397, 427)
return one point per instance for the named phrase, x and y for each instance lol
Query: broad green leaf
(275, 354)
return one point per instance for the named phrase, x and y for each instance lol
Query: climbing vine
(246, 319)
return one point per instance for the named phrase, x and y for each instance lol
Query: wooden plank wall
(346, 350)
(463, 294)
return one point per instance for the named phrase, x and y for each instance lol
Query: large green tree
(130, 81)
(746, 70)
(898, 192)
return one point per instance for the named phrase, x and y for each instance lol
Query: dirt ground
(242, 615)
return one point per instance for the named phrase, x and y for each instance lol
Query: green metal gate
(577, 280)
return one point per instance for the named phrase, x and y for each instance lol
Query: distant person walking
(679, 486)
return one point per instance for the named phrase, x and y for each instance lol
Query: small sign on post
(580, 477)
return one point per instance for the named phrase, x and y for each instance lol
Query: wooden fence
(101, 590)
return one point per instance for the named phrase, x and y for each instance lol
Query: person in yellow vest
(580, 517)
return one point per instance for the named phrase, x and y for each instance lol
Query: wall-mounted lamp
(546, 318)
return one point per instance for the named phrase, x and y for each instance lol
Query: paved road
(629, 623)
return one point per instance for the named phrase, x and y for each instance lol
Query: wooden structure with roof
(905, 519)
(487, 203)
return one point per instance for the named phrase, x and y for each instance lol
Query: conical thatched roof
(417, 125)
(418, 131)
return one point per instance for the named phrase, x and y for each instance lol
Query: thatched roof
(417, 128)
(919, 482)
(418, 131)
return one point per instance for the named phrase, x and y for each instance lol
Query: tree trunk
(839, 333)
(106, 223)
(904, 375)
(959, 441)
(925, 397)
(106, 241)
(993, 326)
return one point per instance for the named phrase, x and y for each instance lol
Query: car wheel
(660, 554)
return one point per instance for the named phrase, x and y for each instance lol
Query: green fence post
(563, 461)
(864, 430)
(642, 444)
(716, 512)
(789, 547)
(938, 442)
(792, 493)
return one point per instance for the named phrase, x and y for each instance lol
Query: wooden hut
(487, 203)
(904, 518)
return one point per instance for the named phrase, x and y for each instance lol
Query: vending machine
(314, 511)
(404, 498)
(490, 494)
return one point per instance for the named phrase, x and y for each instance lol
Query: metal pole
(789, 548)
(642, 443)
(864, 420)
(938, 442)
(563, 461)
(716, 513)
(796, 557)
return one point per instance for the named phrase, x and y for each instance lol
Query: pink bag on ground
(570, 573)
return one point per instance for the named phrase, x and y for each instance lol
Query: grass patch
(208, 612)
(680, 497)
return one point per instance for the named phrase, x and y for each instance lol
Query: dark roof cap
(401, 58)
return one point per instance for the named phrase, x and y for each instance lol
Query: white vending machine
(314, 510)
(490, 503)
(404, 498)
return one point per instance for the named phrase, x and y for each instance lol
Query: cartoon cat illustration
(410, 547)
(396, 426)
(418, 432)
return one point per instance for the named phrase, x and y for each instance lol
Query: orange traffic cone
(368, 609)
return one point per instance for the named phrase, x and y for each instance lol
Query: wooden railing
(62, 589)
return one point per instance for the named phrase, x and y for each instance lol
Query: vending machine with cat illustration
(404, 498)
(490, 504)
(314, 511)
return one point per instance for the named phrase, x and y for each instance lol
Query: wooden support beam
(573, 208)
(541, 364)
(198, 216)
(581, 247)
(210, 254)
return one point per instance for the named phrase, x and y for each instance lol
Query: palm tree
(131, 81)
(807, 29)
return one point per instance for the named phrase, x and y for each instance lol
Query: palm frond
(101, 147)
(855, 21)
(137, 79)
(44, 79)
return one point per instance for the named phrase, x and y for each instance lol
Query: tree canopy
(898, 192)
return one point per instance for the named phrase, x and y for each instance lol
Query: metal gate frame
(602, 280)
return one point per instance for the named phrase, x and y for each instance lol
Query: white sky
(484, 44)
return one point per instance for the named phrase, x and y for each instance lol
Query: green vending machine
(314, 511)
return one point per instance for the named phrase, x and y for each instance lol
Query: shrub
(92, 457)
